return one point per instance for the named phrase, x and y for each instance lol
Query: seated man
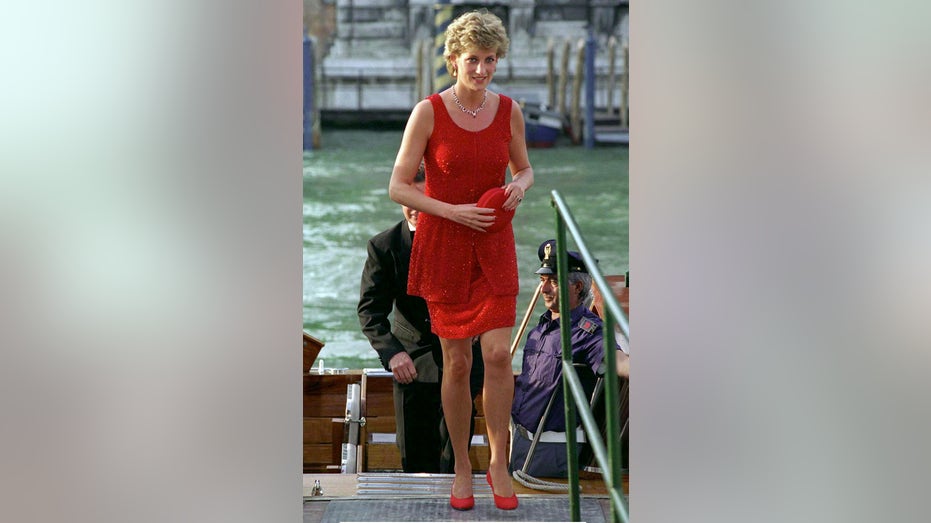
(538, 391)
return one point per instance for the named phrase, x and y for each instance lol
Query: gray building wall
(369, 59)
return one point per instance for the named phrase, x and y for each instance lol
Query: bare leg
(457, 408)
(497, 397)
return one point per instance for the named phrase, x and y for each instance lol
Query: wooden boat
(327, 431)
(350, 453)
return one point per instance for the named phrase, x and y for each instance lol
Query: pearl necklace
(474, 112)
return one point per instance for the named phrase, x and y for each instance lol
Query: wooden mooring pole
(564, 77)
(625, 87)
(311, 138)
(550, 75)
(428, 68)
(418, 74)
(590, 91)
(612, 80)
(576, 113)
(442, 17)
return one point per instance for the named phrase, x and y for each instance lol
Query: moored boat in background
(542, 126)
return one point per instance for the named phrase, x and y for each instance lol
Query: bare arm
(521, 171)
(622, 362)
(623, 359)
(401, 187)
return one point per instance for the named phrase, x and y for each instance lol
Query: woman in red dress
(468, 137)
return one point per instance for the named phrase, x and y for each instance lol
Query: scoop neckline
(498, 110)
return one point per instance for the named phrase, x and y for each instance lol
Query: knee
(497, 359)
(457, 368)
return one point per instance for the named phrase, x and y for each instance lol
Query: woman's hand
(472, 216)
(515, 195)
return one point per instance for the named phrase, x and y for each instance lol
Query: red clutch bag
(494, 199)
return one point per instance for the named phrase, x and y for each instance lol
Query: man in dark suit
(408, 348)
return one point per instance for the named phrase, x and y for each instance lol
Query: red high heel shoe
(503, 503)
(461, 503)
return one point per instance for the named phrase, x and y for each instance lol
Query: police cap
(547, 255)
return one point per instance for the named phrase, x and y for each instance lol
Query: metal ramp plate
(374, 484)
(437, 509)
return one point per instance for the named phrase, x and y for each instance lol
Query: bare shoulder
(423, 109)
(517, 116)
(421, 119)
(515, 110)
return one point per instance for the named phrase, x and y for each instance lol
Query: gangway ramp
(425, 497)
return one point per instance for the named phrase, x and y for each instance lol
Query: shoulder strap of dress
(504, 111)
(437, 102)
(506, 104)
(440, 114)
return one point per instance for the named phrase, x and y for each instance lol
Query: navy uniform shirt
(542, 367)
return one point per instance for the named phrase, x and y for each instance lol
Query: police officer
(538, 389)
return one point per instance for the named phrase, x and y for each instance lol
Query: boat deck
(425, 497)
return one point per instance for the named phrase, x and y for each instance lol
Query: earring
(455, 72)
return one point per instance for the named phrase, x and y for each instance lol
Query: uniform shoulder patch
(587, 325)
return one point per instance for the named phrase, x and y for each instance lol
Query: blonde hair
(475, 30)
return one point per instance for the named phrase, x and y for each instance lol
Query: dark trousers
(421, 431)
(549, 460)
(418, 426)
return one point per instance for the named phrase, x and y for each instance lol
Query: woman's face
(476, 67)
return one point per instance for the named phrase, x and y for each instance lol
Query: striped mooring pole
(443, 16)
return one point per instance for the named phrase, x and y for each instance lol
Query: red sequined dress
(468, 278)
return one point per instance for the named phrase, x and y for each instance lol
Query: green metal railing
(609, 460)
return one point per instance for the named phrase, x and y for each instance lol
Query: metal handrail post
(572, 459)
(609, 460)
(611, 411)
(594, 439)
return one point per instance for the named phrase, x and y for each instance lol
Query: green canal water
(346, 202)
